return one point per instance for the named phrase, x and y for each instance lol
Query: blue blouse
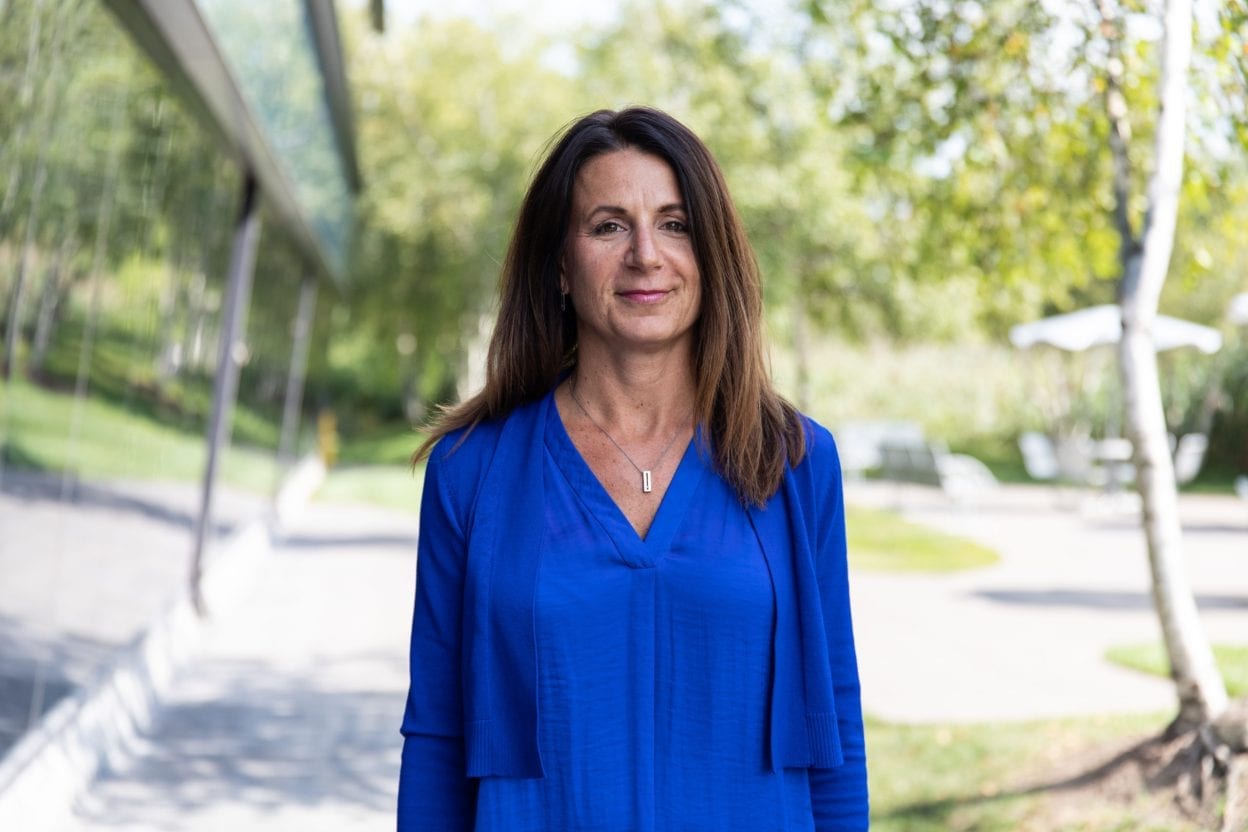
(527, 573)
(654, 660)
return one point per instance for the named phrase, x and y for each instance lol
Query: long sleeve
(434, 793)
(838, 795)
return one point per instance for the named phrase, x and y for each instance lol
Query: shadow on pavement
(405, 544)
(1101, 599)
(39, 487)
(37, 671)
(262, 739)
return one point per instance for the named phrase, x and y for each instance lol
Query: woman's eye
(608, 227)
(676, 226)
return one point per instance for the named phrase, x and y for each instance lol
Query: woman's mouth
(644, 295)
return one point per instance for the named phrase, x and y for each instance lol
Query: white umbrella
(1238, 313)
(1098, 325)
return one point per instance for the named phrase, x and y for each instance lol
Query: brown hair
(752, 430)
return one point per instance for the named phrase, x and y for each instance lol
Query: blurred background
(247, 248)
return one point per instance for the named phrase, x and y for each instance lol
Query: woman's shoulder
(465, 452)
(461, 460)
(821, 463)
(820, 444)
(463, 455)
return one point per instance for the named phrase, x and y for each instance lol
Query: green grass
(122, 373)
(388, 445)
(975, 777)
(884, 541)
(391, 486)
(1151, 658)
(112, 441)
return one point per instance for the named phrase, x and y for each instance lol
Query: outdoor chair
(1039, 456)
(917, 461)
(859, 443)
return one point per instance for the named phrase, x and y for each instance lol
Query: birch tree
(1144, 255)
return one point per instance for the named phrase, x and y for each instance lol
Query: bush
(1228, 438)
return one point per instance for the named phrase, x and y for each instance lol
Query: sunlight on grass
(1151, 658)
(884, 541)
(111, 441)
(388, 446)
(933, 778)
(392, 486)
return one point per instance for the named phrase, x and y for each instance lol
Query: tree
(1145, 257)
(452, 118)
(937, 81)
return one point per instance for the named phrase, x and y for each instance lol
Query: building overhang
(183, 44)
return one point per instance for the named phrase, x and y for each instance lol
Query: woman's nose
(644, 252)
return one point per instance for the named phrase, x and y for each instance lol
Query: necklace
(647, 484)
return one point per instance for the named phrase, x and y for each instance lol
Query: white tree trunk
(1202, 694)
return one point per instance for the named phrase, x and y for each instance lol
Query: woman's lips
(645, 295)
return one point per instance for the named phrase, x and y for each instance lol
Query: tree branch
(1119, 129)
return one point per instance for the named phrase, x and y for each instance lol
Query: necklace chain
(647, 484)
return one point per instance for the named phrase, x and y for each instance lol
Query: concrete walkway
(85, 567)
(1027, 637)
(288, 719)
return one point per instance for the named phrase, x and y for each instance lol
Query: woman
(632, 606)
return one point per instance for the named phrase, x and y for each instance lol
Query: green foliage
(451, 122)
(935, 173)
(1151, 658)
(977, 128)
(983, 126)
(961, 394)
(1228, 440)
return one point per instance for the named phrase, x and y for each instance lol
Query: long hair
(752, 431)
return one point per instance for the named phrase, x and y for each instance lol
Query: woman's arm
(838, 795)
(434, 794)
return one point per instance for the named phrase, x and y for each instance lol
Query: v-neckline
(637, 551)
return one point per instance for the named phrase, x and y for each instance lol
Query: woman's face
(629, 266)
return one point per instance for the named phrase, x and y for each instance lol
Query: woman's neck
(635, 393)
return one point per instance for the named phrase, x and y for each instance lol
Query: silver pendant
(645, 482)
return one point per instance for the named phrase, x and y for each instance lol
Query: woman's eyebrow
(669, 208)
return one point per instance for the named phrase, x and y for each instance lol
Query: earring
(563, 301)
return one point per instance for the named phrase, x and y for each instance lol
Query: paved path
(1027, 637)
(288, 718)
(85, 567)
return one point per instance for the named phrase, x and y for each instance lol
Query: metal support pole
(225, 384)
(298, 372)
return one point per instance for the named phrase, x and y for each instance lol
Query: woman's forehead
(628, 175)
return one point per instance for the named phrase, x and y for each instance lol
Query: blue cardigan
(472, 709)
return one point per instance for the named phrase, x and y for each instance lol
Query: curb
(99, 726)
